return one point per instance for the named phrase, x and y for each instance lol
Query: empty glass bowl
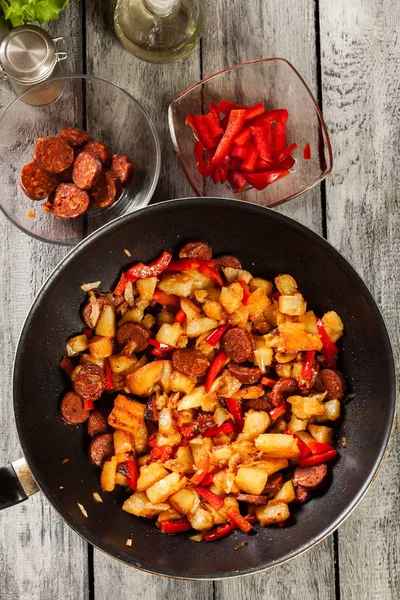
(111, 115)
(277, 83)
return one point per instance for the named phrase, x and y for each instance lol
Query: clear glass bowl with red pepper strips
(300, 150)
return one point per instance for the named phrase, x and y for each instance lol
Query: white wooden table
(348, 51)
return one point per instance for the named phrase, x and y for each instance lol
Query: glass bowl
(277, 83)
(111, 115)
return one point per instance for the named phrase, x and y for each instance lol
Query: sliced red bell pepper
(225, 428)
(180, 316)
(246, 291)
(307, 152)
(280, 137)
(223, 170)
(329, 350)
(218, 533)
(133, 473)
(213, 500)
(235, 124)
(213, 126)
(162, 453)
(189, 264)
(271, 116)
(285, 153)
(244, 136)
(254, 111)
(286, 163)
(199, 127)
(319, 447)
(317, 459)
(88, 332)
(202, 470)
(109, 379)
(278, 411)
(263, 179)
(249, 162)
(226, 106)
(308, 364)
(264, 144)
(214, 337)
(204, 166)
(166, 299)
(262, 165)
(208, 479)
(302, 446)
(175, 526)
(215, 113)
(154, 269)
(235, 164)
(237, 181)
(237, 518)
(121, 285)
(161, 350)
(235, 408)
(268, 381)
(216, 174)
(239, 151)
(88, 404)
(67, 366)
(216, 366)
(213, 274)
(188, 431)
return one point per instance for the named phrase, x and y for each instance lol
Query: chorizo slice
(86, 171)
(302, 494)
(283, 388)
(245, 374)
(122, 166)
(332, 382)
(66, 175)
(196, 249)
(97, 423)
(67, 202)
(274, 483)
(53, 154)
(190, 362)
(100, 150)
(87, 310)
(251, 499)
(89, 381)
(75, 137)
(227, 261)
(260, 404)
(237, 343)
(72, 411)
(36, 183)
(136, 333)
(107, 189)
(101, 449)
(310, 477)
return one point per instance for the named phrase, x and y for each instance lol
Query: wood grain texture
(360, 74)
(40, 557)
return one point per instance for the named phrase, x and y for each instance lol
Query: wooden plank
(360, 71)
(250, 31)
(40, 556)
(154, 86)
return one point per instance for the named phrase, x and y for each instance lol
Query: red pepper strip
(239, 151)
(263, 179)
(244, 136)
(154, 269)
(263, 143)
(329, 349)
(268, 381)
(189, 264)
(272, 116)
(254, 111)
(204, 167)
(218, 533)
(109, 379)
(276, 295)
(280, 137)
(203, 469)
(162, 453)
(213, 500)
(251, 158)
(224, 122)
(237, 180)
(88, 404)
(235, 163)
(278, 411)
(237, 518)
(286, 163)
(166, 299)
(215, 113)
(226, 428)
(214, 337)
(225, 106)
(307, 151)
(88, 332)
(208, 479)
(161, 350)
(318, 459)
(133, 473)
(235, 124)
(213, 274)
(213, 126)
(235, 408)
(308, 364)
(216, 366)
(216, 174)
(223, 170)
(186, 430)
(200, 130)
(180, 316)
(175, 526)
(302, 446)
(319, 448)
(67, 366)
(121, 285)
(246, 291)
(285, 153)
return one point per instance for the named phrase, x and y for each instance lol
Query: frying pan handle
(16, 483)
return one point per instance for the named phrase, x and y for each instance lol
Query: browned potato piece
(164, 488)
(142, 381)
(150, 474)
(277, 445)
(271, 513)
(127, 414)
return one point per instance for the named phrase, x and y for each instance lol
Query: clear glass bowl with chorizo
(209, 394)
(76, 161)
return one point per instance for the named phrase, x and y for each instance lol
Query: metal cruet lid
(28, 54)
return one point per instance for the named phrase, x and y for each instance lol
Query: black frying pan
(267, 243)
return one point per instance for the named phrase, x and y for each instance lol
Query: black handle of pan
(16, 483)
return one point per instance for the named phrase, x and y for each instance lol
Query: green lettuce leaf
(18, 12)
